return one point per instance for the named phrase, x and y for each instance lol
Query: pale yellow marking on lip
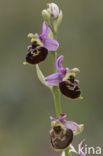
(80, 98)
(25, 63)
(37, 53)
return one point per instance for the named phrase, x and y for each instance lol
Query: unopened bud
(75, 70)
(31, 35)
(53, 10)
(46, 16)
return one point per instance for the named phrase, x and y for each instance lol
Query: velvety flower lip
(36, 55)
(56, 78)
(68, 124)
(49, 43)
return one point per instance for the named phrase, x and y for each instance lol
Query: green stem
(67, 153)
(56, 96)
(55, 91)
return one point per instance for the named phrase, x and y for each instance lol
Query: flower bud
(75, 70)
(46, 16)
(53, 10)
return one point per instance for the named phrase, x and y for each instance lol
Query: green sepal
(58, 21)
(41, 77)
(79, 131)
(46, 17)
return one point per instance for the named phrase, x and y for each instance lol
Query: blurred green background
(25, 105)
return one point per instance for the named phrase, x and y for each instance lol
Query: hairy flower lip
(36, 55)
(70, 90)
(60, 142)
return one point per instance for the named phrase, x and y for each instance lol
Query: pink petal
(72, 125)
(45, 29)
(59, 62)
(52, 119)
(62, 118)
(59, 65)
(50, 44)
(54, 79)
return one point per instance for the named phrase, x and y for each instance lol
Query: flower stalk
(56, 96)
(55, 91)
(67, 153)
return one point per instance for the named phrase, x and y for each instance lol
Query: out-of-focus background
(25, 105)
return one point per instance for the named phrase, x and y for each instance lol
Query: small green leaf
(81, 130)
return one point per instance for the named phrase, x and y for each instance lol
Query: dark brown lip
(60, 142)
(36, 55)
(70, 90)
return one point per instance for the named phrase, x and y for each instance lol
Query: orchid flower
(65, 79)
(62, 132)
(40, 45)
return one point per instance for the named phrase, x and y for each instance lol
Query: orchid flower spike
(62, 132)
(40, 45)
(65, 79)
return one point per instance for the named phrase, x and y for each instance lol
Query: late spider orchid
(40, 45)
(62, 132)
(65, 79)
